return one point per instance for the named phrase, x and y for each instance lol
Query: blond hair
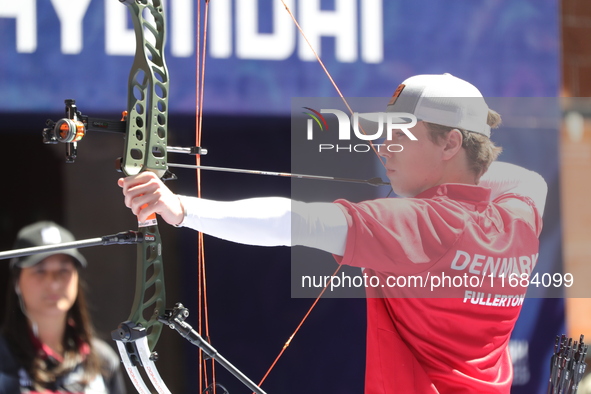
(480, 150)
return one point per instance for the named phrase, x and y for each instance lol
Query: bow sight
(75, 125)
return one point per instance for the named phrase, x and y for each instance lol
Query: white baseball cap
(442, 99)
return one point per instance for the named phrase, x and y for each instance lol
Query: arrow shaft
(283, 174)
(128, 237)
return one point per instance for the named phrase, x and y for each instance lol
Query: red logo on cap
(399, 90)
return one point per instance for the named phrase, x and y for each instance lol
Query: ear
(453, 144)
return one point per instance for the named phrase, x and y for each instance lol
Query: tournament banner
(257, 60)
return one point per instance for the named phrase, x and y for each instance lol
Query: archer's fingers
(136, 186)
(133, 181)
(137, 203)
(142, 194)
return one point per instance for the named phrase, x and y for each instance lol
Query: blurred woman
(47, 344)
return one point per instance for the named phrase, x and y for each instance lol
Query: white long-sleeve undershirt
(278, 221)
(505, 178)
(269, 221)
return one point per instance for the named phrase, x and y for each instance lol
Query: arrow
(373, 181)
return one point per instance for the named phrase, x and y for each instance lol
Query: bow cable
(203, 324)
(334, 84)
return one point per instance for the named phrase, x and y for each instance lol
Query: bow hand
(146, 194)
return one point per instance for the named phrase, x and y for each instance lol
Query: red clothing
(452, 338)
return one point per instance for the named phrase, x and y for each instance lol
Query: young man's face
(418, 167)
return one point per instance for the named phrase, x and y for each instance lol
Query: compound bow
(146, 150)
(145, 127)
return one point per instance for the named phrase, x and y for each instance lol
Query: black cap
(41, 234)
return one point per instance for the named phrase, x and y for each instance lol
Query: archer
(454, 199)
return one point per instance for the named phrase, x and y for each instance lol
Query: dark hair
(481, 151)
(79, 332)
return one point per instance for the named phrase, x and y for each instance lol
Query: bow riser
(145, 150)
(150, 299)
(148, 87)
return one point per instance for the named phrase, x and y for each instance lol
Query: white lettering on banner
(119, 39)
(120, 36)
(229, 20)
(71, 13)
(372, 31)
(25, 13)
(494, 267)
(250, 44)
(220, 13)
(340, 24)
(182, 29)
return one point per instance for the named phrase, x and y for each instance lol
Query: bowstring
(203, 323)
(198, 179)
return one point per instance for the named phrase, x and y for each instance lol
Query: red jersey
(454, 251)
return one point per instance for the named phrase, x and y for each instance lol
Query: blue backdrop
(506, 48)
